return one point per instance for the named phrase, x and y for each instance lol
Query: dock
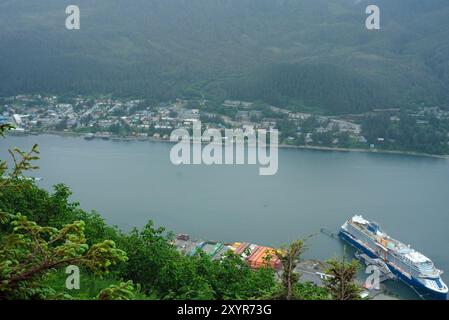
(385, 273)
(329, 233)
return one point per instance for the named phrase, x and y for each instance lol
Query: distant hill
(315, 54)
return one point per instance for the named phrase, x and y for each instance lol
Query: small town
(112, 118)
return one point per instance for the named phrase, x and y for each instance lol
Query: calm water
(130, 183)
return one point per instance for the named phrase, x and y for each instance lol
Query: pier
(329, 233)
(385, 273)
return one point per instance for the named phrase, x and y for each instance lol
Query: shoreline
(281, 146)
(375, 151)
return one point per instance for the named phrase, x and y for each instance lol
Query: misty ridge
(314, 54)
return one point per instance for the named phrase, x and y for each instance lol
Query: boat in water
(407, 264)
(89, 136)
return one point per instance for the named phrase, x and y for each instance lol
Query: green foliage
(310, 291)
(122, 291)
(289, 258)
(90, 284)
(318, 86)
(430, 136)
(37, 204)
(341, 285)
(30, 251)
(148, 251)
(290, 288)
(23, 161)
(168, 274)
(4, 128)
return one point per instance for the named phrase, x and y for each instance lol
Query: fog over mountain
(315, 54)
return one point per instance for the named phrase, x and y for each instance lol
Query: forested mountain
(311, 53)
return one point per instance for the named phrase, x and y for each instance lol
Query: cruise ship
(408, 265)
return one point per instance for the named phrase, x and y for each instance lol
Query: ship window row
(401, 261)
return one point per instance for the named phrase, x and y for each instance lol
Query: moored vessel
(407, 264)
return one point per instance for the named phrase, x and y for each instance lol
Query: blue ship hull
(426, 292)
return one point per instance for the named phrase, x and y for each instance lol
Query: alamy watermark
(373, 280)
(73, 21)
(73, 280)
(219, 149)
(373, 20)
